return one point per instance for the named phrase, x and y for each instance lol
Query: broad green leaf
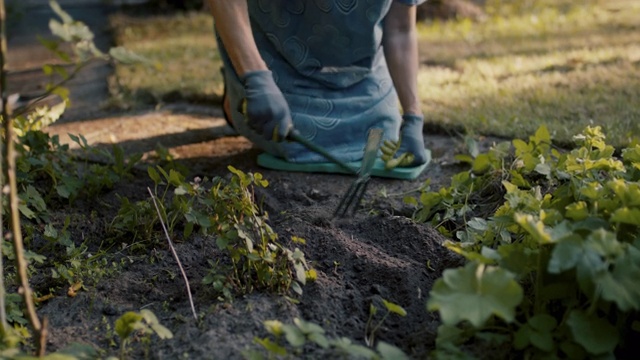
(296, 288)
(541, 340)
(464, 158)
(273, 327)
(590, 224)
(271, 346)
(449, 334)
(481, 164)
(518, 180)
(154, 323)
(319, 339)
(188, 230)
(572, 350)
(535, 228)
(543, 169)
(566, 255)
(308, 327)
(521, 147)
(522, 337)
(541, 136)
(126, 324)
(295, 337)
(592, 190)
(477, 224)
(563, 230)
(543, 322)
(620, 285)
(175, 178)
(604, 243)
(346, 346)
(394, 308)
(518, 258)
(632, 154)
(475, 293)
(390, 352)
(626, 215)
(301, 274)
(472, 146)
(25, 211)
(596, 335)
(77, 351)
(577, 211)
(153, 174)
(50, 231)
(35, 199)
(536, 332)
(627, 192)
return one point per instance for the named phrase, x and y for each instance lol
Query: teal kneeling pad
(404, 173)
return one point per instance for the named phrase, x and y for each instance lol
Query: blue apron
(327, 59)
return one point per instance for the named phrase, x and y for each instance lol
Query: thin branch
(26, 108)
(5, 116)
(14, 212)
(175, 254)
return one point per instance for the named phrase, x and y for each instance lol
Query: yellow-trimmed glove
(410, 146)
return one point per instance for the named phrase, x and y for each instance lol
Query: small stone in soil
(378, 289)
(315, 194)
(322, 222)
(109, 310)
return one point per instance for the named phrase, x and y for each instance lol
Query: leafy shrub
(553, 266)
(227, 210)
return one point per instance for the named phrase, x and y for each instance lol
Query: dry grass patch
(184, 49)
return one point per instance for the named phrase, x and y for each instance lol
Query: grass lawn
(550, 63)
(184, 50)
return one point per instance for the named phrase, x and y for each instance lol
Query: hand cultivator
(357, 189)
(359, 186)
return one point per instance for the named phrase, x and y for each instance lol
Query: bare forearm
(401, 52)
(232, 23)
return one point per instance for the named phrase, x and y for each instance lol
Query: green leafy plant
(302, 333)
(553, 264)
(144, 323)
(371, 328)
(227, 210)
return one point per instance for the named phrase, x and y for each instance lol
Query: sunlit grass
(563, 63)
(184, 48)
(508, 75)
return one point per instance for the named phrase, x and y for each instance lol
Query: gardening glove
(410, 146)
(266, 109)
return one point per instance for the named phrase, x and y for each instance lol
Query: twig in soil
(175, 254)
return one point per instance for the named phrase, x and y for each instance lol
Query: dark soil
(379, 253)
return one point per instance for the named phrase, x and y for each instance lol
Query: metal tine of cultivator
(356, 191)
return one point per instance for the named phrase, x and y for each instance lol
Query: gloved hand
(266, 109)
(410, 146)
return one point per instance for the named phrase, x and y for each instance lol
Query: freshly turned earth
(379, 253)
